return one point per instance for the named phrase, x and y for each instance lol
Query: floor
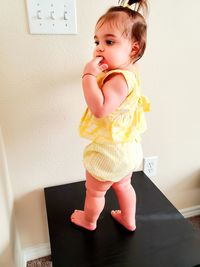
(195, 221)
(46, 261)
(42, 262)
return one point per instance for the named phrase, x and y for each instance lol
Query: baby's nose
(100, 48)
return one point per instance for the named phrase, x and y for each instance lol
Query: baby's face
(113, 46)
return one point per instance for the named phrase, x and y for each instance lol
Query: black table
(163, 237)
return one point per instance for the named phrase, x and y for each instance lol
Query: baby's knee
(122, 187)
(96, 192)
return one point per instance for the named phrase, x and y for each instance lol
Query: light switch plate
(52, 16)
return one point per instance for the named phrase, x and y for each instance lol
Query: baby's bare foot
(116, 214)
(78, 218)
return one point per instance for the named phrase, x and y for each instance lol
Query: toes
(73, 215)
(116, 211)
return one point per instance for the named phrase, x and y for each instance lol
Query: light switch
(52, 16)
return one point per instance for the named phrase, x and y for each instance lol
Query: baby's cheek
(94, 53)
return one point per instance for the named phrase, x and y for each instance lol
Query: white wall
(41, 102)
(171, 79)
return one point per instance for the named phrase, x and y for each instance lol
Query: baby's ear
(135, 49)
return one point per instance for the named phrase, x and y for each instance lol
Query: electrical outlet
(150, 166)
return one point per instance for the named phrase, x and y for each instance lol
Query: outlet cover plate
(150, 166)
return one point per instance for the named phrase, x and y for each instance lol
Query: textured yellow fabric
(126, 123)
(112, 162)
(115, 150)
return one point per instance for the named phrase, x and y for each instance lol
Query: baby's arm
(114, 90)
(104, 101)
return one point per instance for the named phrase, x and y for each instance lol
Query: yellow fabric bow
(124, 4)
(127, 5)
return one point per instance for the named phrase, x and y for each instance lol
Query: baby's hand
(94, 67)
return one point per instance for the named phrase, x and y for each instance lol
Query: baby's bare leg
(127, 202)
(94, 203)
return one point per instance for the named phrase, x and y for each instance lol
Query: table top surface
(162, 238)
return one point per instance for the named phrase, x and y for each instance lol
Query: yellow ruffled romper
(115, 150)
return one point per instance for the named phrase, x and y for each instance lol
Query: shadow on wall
(188, 186)
(31, 219)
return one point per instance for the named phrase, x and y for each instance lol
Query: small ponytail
(140, 5)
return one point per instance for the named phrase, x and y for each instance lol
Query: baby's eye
(109, 42)
(96, 42)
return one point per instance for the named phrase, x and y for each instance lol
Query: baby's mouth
(102, 61)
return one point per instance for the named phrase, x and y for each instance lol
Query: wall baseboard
(36, 252)
(190, 212)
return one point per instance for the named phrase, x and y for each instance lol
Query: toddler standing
(114, 119)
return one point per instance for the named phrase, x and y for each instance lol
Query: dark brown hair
(133, 23)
